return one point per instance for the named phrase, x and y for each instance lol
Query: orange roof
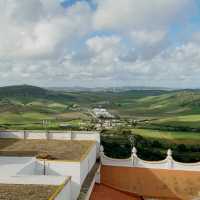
(153, 183)
(102, 192)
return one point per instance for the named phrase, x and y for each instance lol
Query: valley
(170, 118)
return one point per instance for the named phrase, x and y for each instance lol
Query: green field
(34, 120)
(185, 121)
(164, 109)
(165, 119)
(171, 136)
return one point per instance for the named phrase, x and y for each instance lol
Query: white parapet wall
(10, 166)
(77, 170)
(134, 161)
(54, 135)
(30, 170)
(26, 166)
(65, 193)
(63, 183)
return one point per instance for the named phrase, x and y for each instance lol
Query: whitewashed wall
(65, 193)
(10, 166)
(62, 135)
(27, 170)
(87, 164)
(135, 161)
(77, 170)
(29, 166)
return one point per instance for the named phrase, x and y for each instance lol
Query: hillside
(165, 104)
(26, 104)
(130, 103)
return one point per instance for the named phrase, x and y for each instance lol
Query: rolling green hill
(167, 119)
(21, 104)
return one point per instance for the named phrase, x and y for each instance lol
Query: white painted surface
(65, 194)
(135, 161)
(87, 164)
(33, 180)
(65, 135)
(26, 167)
(12, 134)
(77, 170)
(10, 166)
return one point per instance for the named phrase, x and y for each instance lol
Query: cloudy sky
(92, 43)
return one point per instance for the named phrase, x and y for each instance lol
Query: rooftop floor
(58, 150)
(24, 192)
(157, 183)
(106, 193)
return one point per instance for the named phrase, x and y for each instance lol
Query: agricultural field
(176, 137)
(152, 145)
(35, 120)
(165, 119)
(191, 122)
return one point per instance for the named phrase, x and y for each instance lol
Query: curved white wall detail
(135, 161)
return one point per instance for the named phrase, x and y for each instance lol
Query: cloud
(137, 14)
(36, 33)
(123, 42)
(99, 44)
(148, 38)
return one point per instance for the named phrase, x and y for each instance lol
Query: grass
(172, 136)
(34, 120)
(188, 121)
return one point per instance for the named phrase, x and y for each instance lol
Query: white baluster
(134, 156)
(169, 159)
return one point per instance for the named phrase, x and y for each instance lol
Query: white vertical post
(169, 159)
(134, 156)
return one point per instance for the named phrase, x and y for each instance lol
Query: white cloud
(36, 32)
(51, 45)
(148, 38)
(136, 14)
(99, 44)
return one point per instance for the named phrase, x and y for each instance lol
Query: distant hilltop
(112, 89)
(42, 90)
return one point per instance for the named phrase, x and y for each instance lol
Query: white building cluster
(102, 112)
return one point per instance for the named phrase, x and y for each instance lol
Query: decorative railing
(135, 161)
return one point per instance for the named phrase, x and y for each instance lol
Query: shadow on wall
(152, 183)
(36, 168)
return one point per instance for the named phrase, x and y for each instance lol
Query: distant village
(105, 120)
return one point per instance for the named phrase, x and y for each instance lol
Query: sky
(100, 43)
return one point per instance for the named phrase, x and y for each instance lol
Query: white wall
(28, 170)
(10, 166)
(77, 170)
(64, 169)
(12, 134)
(87, 164)
(64, 135)
(135, 161)
(65, 194)
(30, 166)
